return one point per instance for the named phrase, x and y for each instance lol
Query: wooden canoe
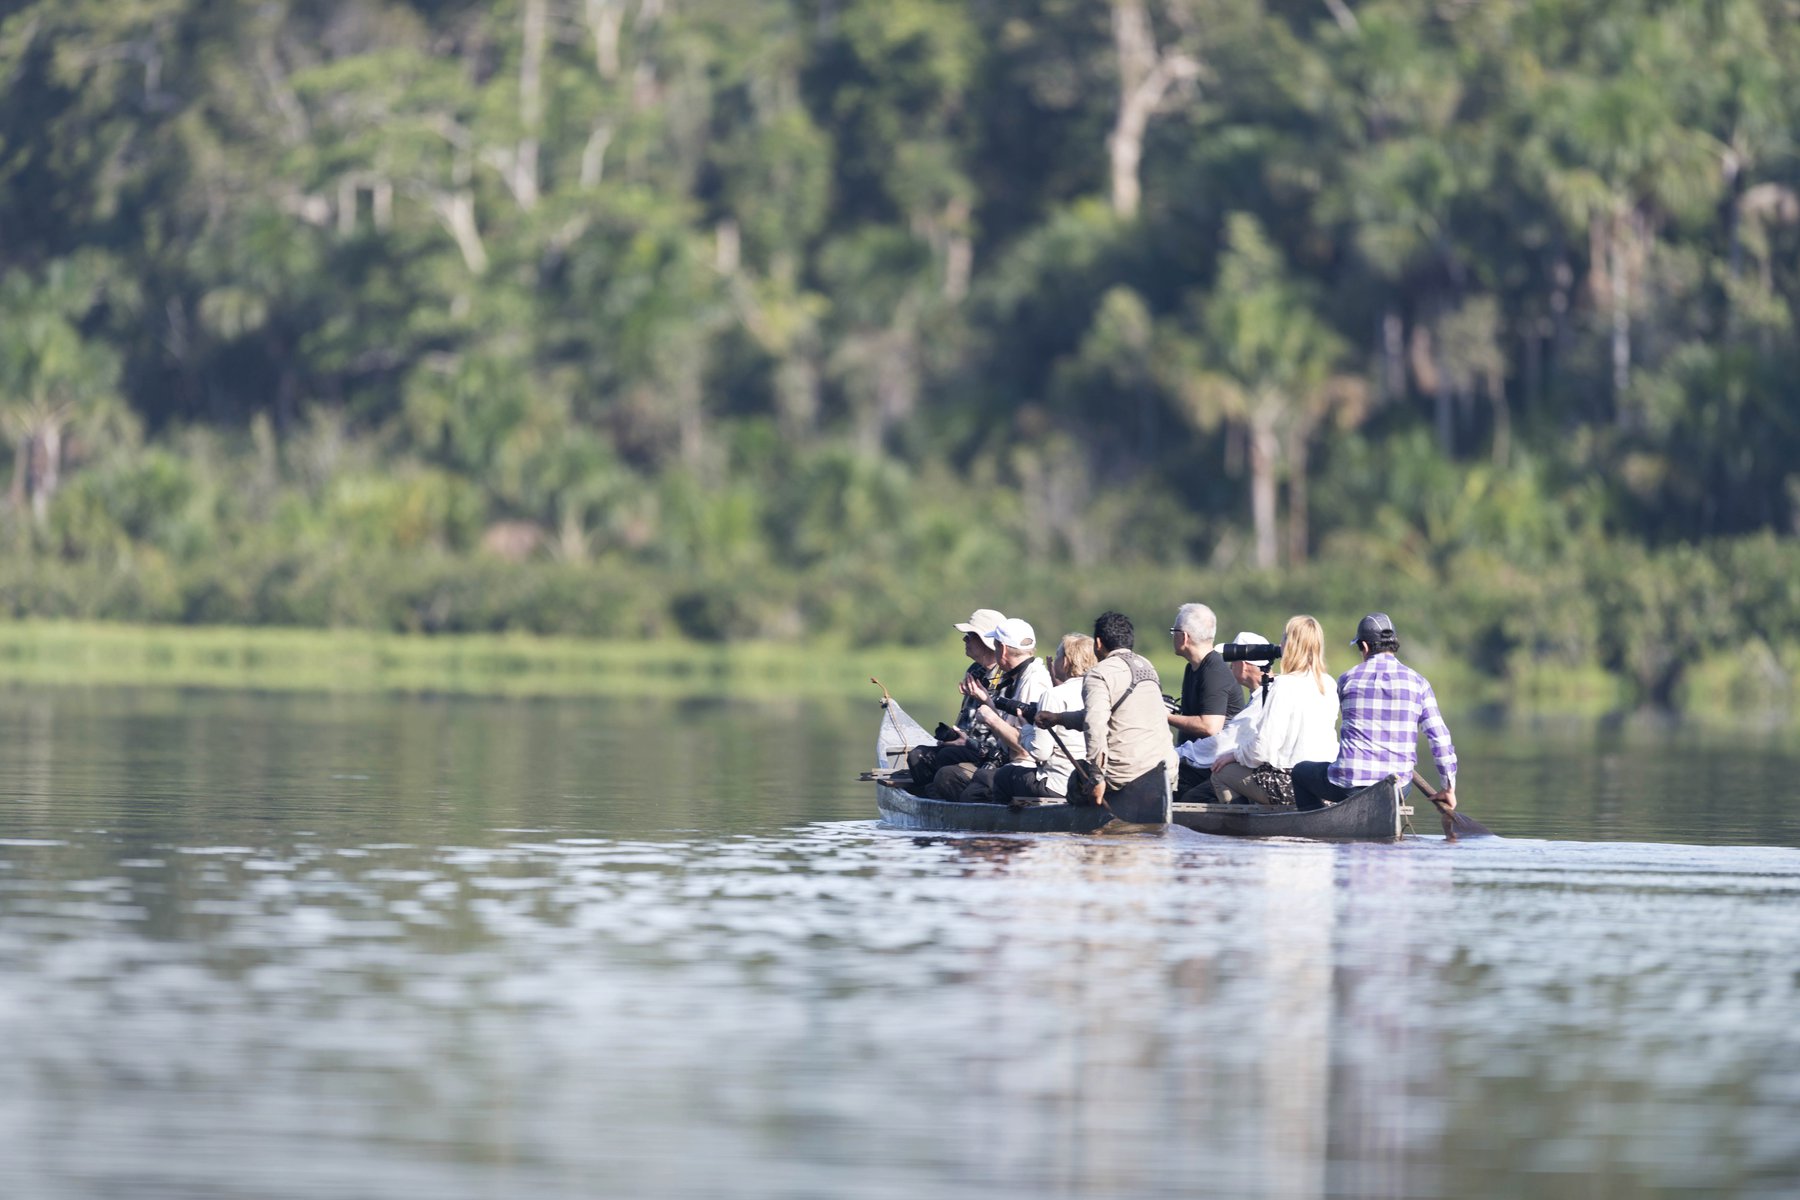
(900, 809)
(1374, 814)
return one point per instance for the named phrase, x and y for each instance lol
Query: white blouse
(1299, 724)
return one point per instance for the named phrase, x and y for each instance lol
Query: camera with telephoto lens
(1018, 708)
(1262, 652)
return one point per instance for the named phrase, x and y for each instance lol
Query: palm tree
(1618, 157)
(49, 376)
(1265, 363)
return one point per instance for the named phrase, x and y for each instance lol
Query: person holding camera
(1297, 723)
(970, 740)
(1041, 758)
(1210, 696)
(1385, 704)
(1024, 680)
(1248, 657)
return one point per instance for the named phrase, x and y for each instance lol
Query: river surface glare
(280, 947)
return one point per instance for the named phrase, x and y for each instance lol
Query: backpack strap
(1141, 672)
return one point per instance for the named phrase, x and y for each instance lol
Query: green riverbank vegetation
(75, 653)
(772, 325)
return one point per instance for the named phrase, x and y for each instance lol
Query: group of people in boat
(1091, 725)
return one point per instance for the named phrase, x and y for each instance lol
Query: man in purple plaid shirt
(1384, 704)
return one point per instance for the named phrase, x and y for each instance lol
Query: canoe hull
(900, 809)
(1374, 814)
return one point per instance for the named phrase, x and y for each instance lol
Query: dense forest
(786, 318)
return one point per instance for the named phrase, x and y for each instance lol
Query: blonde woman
(1298, 723)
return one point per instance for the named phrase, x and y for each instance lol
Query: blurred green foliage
(747, 320)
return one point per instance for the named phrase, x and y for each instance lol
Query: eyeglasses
(1174, 629)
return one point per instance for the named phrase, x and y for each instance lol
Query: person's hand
(1045, 720)
(972, 687)
(1225, 757)
(1446, 799)
(1086, 783)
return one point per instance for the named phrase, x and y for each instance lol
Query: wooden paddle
(1455, 822)
(1078, 773)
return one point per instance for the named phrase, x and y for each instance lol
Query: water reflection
(286, 948)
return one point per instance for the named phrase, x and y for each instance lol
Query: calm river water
(273, 946)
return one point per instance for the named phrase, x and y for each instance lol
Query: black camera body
(1262, 652)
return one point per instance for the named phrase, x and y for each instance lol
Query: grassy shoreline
(264, 658)
(96, 653)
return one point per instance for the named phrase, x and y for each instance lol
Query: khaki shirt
(1132, 738)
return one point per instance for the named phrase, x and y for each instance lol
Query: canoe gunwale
(900, 809)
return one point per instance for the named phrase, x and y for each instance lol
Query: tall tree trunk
(684, 389)
(531, 103)
(1431, 378)
(287, 387)
(728, 245)
(21, 471)
(46, 474)
(1263, 450)
(1445, 422)
(604, 18)
(1535, 335)
(1620, 278)
(1502, 451)
(1393, 357)
(593, 156)
(797, 395)
(1340, 12)
(456, 212)
(693, 436)
(1145, 77)
(959, 251)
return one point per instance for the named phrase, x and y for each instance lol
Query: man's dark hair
(1113, 630)
(1387, 643)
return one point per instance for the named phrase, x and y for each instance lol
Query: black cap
(1373, 628)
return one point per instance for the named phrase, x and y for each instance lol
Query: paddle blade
(1455, 823)
(1466, 826)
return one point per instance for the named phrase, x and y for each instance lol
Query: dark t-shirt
(1209, 690)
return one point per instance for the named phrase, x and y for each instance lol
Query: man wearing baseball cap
(1384, 704)
(971, 740)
